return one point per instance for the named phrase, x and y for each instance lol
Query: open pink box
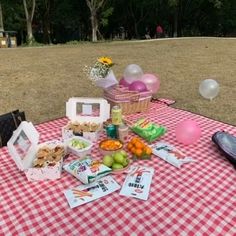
(84, 110)
(23, 147)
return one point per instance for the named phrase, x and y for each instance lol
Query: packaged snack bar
(87, 170)
(170, 154)
(137, 182)
(86, 193)
(148, 130)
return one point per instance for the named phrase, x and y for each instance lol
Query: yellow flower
(105, 60)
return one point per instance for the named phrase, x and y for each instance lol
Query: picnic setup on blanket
(123, 164)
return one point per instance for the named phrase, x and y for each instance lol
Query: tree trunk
(176, 22)
(94, 28)
(94, 6)
(1, 21)
(29, 15)
(30, 32)
(46, 22)
(46, 29)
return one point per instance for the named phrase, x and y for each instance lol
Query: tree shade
(60, 21)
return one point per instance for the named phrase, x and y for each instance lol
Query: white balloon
(209, 88)
(132, 73)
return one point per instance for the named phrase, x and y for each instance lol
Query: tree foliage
(59, 21)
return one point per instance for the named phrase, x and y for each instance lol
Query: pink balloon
(124, 82)
(138, 86)
(187, 132)
(152, 82)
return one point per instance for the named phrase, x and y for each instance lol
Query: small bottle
(116, 115)
(111, 131)
(123, 132)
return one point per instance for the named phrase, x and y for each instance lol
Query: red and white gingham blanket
(197, 199)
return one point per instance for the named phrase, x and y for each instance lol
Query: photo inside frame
(22, 145)
(86, 109)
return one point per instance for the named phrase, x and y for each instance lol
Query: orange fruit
(133, 150)
(148, 150)
(129, 146)
(139, 145)
(134, 140)
(138, 152)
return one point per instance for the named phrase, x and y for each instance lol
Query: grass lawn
(40, 80)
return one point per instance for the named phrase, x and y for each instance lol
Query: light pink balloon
(152, 82)
(187, 132)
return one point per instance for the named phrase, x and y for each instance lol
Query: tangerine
(134, 140)
(133, 150)
(129, 146)
(138, 152)
(148, 150)
(139, 144)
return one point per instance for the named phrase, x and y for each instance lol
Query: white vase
(108, 81)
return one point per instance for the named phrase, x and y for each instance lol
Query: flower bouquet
(101, 73)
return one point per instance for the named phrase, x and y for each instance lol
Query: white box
(23, 146)
(83, 110)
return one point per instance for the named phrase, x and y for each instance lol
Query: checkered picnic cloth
(197, 199)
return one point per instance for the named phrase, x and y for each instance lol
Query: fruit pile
(116, 161)
(110, 144)
(139, 149)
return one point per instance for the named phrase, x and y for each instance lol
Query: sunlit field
(40, 80)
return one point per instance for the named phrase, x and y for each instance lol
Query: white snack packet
(86, 193)
(87, 170)
(137, 182)
(170, 154)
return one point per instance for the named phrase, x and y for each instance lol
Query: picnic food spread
(126, 143)
(108, 163)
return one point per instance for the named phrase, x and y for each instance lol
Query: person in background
(159, 31)
(147, 33)
(8, 40)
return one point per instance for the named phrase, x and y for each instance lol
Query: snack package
(148, 130)
(137, 182)
(87, 170)
(170, 154)
(86, 193)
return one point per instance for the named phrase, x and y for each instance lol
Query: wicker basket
(129, 101)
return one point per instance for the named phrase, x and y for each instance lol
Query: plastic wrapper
(148, 130)
(170, 154)
(87, 170)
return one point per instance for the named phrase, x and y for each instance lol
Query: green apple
(125, 162)
(107, 160)
(124, 153)
(118, 158)
(116, 166)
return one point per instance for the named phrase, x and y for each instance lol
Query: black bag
(227, 144)
(8, 123)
